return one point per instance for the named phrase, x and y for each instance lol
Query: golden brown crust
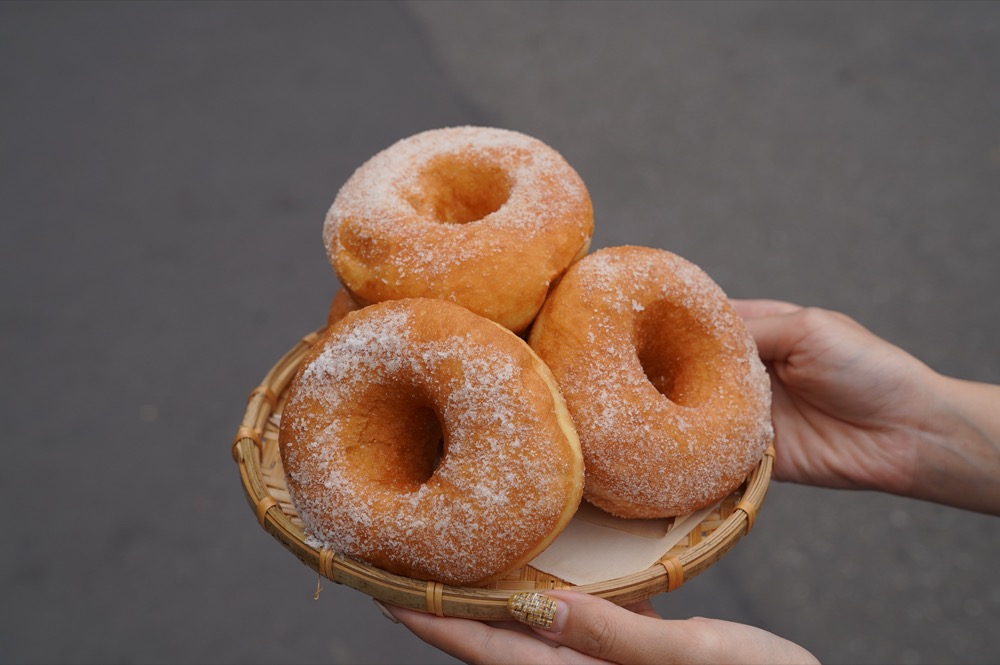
(363, 421)
(341, 305)
(483, 217)
(668, 395)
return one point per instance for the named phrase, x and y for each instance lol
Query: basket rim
(442, 599)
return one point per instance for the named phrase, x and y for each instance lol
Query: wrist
(957, 457)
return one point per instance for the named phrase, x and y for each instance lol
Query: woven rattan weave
(255, 450)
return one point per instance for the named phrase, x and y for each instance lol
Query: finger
(643, 607)
(519, 627)
(776, 335)
(480, 643)
(597, 627)
(752, 309)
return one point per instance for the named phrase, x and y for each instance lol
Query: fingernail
(385, 611)
(535, 609)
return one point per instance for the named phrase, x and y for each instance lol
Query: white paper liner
(596, 546)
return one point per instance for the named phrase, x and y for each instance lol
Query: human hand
(588, 630)
(852, 410)
(846, 403)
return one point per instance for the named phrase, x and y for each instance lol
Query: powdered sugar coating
(385, 242)
(649, 453)
(500, 488)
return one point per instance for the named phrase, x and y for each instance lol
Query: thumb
(600, 629)
(593, 626)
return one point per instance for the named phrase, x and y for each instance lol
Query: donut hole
(457, 190)
(676, 353)
(428, 448)
(397, 440)
(433, 457)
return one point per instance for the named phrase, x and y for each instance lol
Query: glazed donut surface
(484, 217)
(664, 383)
(362, 425)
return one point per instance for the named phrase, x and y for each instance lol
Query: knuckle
(491, 650)
(704, 639)
(815, 317)
(600, 636)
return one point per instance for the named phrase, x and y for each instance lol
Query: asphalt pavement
(166, 168)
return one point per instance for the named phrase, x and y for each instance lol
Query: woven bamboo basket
(255, 450)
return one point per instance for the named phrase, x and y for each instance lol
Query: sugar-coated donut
(484, 217)
(664, 383)
(340, 306)
(362, 425)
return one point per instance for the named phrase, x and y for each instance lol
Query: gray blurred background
(165, 173)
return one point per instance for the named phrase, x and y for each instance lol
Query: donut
(341, 304)
(667, 392)
(430, 442)
(486, 218)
